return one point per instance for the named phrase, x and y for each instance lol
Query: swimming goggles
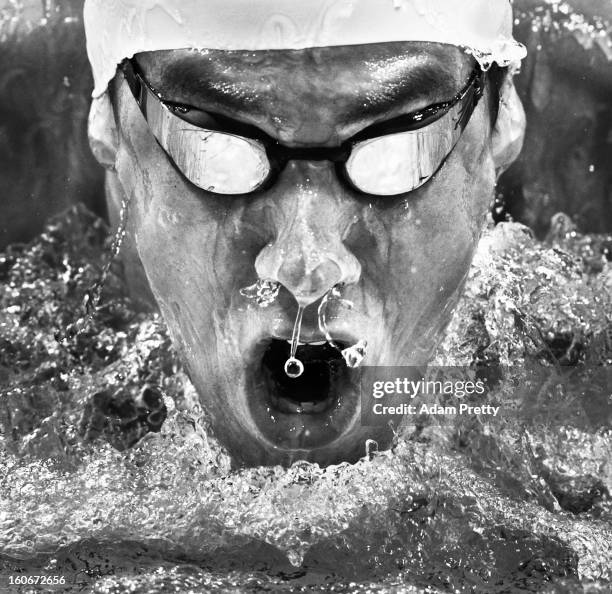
(386, 159)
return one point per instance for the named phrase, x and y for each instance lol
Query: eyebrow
(430, 83)
(186, 82)
(427, 81)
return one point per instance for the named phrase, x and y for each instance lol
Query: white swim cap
(118, 29)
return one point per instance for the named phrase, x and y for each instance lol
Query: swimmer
(310, 145)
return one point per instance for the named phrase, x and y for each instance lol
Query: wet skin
(403, 260)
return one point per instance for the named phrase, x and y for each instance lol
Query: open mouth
(308, 412)
(316, 390)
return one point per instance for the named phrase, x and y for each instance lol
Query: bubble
(294, 368)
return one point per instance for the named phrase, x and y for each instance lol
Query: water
(263, 292)
(333, 296)
(503, 506)
(91, 300)
(293, 367)
(355, 355)
(93, 296)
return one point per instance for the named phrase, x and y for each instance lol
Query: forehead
(373, 73)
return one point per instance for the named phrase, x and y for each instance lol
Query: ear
(103, 137)
(509, 131)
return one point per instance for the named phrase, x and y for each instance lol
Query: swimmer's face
(402, 259)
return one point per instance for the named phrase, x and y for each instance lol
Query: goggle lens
(214, 161)
(400, 163)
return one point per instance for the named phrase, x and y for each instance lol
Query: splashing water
(93, 296)
(496, 507)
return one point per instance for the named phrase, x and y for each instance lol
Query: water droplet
(263, 292)
(371, 447)
(294, 368)
(355, 355)
(93, 296)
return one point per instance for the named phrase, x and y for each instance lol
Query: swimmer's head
(346, 150)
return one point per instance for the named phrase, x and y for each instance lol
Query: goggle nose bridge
(282, 154)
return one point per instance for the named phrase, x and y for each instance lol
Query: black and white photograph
(306, 296)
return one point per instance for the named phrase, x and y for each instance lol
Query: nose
(309, 213)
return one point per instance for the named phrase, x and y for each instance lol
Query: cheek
(424, 243)
(178, 234)
(442, 222)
